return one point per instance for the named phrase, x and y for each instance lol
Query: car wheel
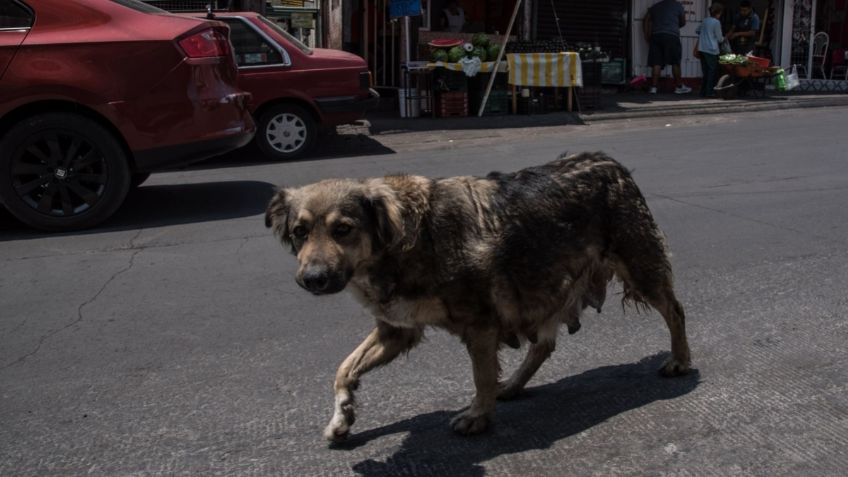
(61, 171)
(286, 131)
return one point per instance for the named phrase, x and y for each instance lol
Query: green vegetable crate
(498, 102)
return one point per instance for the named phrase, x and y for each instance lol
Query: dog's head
(335, 228)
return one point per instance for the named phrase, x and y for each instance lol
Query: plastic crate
(452, 104)
(613, 72)
(498, 102)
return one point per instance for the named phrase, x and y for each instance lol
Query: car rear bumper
(182, 154)
(348, 104)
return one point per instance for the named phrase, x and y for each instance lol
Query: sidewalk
(614, 107)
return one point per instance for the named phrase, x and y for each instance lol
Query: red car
(296, 90)
(96, 94)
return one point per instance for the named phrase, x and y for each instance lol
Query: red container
(764, 62)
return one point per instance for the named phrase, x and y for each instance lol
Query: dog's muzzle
(320, 280)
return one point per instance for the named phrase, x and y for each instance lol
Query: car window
(288, 36)
(251, 48)
(139, 6)
(14, 15)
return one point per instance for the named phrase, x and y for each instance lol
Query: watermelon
(455, 54)
(492, 52)
(445, 43)
(480, 40)
(440, 55)
(479, 53)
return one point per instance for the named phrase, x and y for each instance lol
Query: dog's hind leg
(383, 345)
(482, 345)
(537, 353)
(648, 281)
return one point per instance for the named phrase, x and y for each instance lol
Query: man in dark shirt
(746, 25)
(662, 31)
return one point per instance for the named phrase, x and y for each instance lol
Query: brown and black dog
(501, 259)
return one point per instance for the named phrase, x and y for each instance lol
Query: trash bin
(410, 103)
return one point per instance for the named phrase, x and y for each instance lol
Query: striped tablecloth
(545, 69)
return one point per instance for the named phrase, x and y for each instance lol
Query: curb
(725, 106)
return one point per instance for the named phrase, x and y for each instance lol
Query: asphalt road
(174, 341)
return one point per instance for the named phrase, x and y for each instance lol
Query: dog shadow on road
(540, 417)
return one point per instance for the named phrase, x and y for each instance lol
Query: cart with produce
(744, 74)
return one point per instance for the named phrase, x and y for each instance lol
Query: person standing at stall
(746, 25)
(707, 48)
(662, 31)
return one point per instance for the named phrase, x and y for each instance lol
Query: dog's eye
(342, 230)
(299, 232)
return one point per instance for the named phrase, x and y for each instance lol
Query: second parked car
(296, 90)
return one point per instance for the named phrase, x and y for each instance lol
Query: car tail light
(207, 43)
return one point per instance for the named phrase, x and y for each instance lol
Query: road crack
(131, 262)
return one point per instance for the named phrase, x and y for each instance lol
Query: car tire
(286, 132)
(62, 172)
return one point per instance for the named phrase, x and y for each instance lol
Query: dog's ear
(277, 216)
(386, 211)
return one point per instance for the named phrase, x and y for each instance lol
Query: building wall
(690, 66)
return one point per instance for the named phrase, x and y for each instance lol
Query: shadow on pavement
(330, 146)
(161, 205)
(380, 124)
(539, 418)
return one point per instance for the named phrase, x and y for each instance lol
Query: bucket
(410, 103)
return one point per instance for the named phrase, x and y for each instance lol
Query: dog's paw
(674, 367)
(467, 423)
(343, 418)
(507, 391)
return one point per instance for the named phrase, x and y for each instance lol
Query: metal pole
(394, 36)
(383, 19)
(365, 33)
(374, 36)
(498, 61)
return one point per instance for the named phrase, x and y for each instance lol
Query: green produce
(455, 54)
(480, 40)
(479, 53)
(732, 59)
(440, 55)
(492, 52)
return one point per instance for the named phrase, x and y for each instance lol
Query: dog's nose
(316, 279)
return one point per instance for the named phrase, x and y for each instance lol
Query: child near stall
(707, 48)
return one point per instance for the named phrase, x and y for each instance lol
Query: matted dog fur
(498, 260)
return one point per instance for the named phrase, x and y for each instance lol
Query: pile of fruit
(451, 51)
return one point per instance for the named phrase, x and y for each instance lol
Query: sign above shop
(301, 20)
(404, 8)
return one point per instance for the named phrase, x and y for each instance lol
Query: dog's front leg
(482, 345)
(384, 344)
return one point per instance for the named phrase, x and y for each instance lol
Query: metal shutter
(604, 22)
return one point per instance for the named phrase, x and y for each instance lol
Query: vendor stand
(744, 74)
(557, 70)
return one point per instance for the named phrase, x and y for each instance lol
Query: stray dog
(503, 259)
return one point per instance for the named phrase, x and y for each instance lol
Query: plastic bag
(724, 47)
(792, 80)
